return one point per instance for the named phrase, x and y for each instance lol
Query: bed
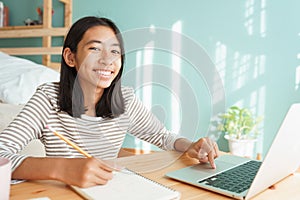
(20, 77)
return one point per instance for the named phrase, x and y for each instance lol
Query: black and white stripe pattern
(100, 137)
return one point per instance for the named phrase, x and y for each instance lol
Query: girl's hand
(84, 172)
(205, 150)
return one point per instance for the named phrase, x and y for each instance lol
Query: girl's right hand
(84, 172)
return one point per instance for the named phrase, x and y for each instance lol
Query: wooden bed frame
(44, 31)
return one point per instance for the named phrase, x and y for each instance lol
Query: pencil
(69, 142)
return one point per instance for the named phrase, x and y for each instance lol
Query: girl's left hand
(205, 150)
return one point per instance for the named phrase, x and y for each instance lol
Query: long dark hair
(71, 99)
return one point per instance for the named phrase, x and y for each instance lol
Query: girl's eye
(116, 52)
(95, 48)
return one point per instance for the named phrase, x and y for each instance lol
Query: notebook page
(129, 185)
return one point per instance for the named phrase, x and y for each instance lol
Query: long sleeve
(145, 125)
(24, 128)
(101, 137)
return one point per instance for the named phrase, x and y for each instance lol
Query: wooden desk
(154, 166)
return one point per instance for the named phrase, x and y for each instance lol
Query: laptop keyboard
(237, 179)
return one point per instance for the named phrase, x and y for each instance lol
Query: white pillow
(19, 78)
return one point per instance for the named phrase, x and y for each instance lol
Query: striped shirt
(100, 137)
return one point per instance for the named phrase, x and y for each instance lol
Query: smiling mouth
(103, 73)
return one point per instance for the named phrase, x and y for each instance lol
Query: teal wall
(253, 44)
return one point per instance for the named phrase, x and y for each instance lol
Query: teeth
(103, 72)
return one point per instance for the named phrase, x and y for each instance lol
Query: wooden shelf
(44, 31)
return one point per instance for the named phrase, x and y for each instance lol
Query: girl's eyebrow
(100, 42)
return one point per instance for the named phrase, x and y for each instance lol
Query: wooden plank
(65, 1)
(32, 50)
(20, 27)
(46, 44)
(28, 33)
(47, 23)
(47, 14)
(68, 13)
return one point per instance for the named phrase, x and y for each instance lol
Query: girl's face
(98, 58)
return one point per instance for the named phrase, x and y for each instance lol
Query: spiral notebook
(127, 184)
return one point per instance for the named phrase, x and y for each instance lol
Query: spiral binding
(133, 172)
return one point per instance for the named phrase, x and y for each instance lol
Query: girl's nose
(105, 58)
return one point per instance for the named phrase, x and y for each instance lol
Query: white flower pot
(243, 147)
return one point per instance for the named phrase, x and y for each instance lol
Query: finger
(208, 152)
(213, 154)
(105, 175)
(213, 146)
(217, 151)
(105, 165)
(211, 159)
(102, 172)
(94, 177)
(205, 149)
(204, 160)
(202, 154)
(102, 178)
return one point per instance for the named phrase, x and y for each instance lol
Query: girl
(91, 108)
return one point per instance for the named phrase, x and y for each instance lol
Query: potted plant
(240, 128)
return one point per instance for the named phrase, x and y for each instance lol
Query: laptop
(243, 178)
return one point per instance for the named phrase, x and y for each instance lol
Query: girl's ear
(69, 57)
